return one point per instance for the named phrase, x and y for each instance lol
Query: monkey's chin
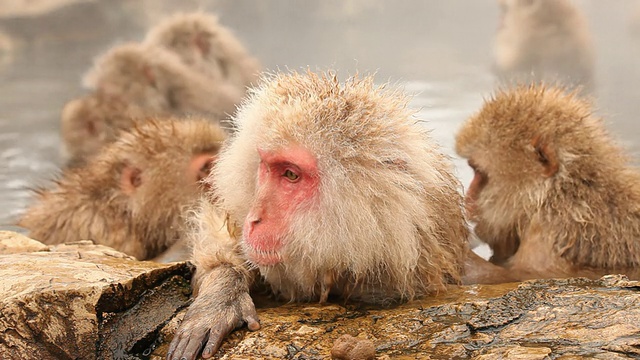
(263, 258)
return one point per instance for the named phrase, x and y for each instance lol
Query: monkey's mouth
(263, 257)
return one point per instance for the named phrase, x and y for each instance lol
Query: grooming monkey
(133, 194)
(329, 189)
(552, 194)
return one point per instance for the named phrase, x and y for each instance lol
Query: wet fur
(584, 219)
(388, 223)
(87, 202)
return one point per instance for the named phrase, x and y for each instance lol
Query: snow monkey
(553, 195)
(207, 47)
(337, 190)
(133, 194)
(92, 121)
(156, 80)
(544, 40)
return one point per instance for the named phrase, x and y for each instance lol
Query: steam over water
(440, 51)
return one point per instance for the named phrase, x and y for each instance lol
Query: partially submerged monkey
(90, 122)
(134, 193)
(208, 47)
(156, 80)
(544, 40)
(553, 195)
(337, 190)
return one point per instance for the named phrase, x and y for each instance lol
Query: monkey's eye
(291, 176)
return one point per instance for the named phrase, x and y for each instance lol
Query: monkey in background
(90, 122)
(544, 40)
(552, 194)
(156, 80)
(208, 47)
(336, 190)
(134, 194)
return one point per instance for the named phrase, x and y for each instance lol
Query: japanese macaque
(544, 40)
(337, 190)
(156, 80)
(134, 194)
(90, 122)
(553, 195)
(208, 47)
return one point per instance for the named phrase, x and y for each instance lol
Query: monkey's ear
(90, 127)
(546, 155)
(130, 179)
(147, 71)
(201, 40)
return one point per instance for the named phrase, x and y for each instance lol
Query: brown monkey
(339, 190)
(133, 194)
(208, 47)
(92, 121)
(552, 193)
(156, 80)
(544, 40)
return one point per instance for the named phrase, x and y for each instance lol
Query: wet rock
(557, 319)
(84, 301)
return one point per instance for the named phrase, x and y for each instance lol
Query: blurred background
(442, 52)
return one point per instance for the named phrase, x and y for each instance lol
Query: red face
(479, 181)
(287, 180)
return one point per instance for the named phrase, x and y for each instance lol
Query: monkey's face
(287, 180)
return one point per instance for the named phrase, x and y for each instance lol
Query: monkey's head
(517, 14)
(523, 143)
(153, 173)
(91, 121)
(336, 181)
(143, 75)
(197, 38)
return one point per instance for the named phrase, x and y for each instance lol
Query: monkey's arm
(221, 289)
(479, 271)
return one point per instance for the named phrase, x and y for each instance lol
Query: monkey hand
(222, 304)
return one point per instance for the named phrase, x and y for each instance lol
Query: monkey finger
(252, 322)
(192, 348)
(249, 314)
(173, 346)
(187, 347)
(217, 334)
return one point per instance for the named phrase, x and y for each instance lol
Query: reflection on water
(440, 51)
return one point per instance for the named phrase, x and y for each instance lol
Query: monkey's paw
(210, 318)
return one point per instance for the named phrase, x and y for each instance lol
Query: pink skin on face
(287, 178)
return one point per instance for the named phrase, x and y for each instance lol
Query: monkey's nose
(250, 224)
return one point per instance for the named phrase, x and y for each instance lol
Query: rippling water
(440, 51)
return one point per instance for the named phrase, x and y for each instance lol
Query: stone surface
(545, 319)
(84, 301)
(14, 243)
